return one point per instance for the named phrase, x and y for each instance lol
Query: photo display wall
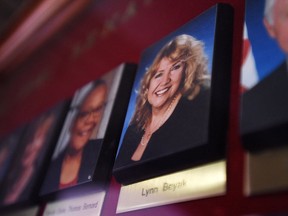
(160, 129)
(78, 137)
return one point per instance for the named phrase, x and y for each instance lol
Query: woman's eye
(157, 75)
(83, 114)
(175, 67)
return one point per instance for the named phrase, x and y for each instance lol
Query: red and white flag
(249, 75)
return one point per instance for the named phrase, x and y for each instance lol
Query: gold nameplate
(200, 182)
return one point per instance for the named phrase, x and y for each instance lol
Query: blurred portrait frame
(8, 145)
(208, 28)
(264, 102)
(24, 177)
(264, 99)
(106, 95)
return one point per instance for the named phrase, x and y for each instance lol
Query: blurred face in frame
(279, 28)
(33, 149)
(89, 116)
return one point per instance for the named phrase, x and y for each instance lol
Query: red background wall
(103, 36)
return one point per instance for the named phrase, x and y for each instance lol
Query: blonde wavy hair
(186, 49)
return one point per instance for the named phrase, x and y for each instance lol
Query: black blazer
(187, 127)
(87, 167)
(265, 111)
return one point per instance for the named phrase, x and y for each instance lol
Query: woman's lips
(85, 132)
(162, 91)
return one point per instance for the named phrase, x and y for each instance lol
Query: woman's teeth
(84, 133)
(161, 92)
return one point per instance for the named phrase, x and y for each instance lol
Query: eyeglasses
(84, 115)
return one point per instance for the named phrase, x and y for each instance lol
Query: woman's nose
(166, 77)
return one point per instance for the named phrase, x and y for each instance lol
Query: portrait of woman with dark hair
(76, 161)
(26, 167)
(172, 105)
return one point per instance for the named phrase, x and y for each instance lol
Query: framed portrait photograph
(8, 145)
(264, 81)
(178, 110)
(87, 144)
(24, 175)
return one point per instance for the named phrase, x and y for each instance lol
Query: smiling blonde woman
(172, 105)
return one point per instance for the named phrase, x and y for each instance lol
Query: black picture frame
(22, 182)
(102, 138)
(264, 117)
(214, 28)
(8, 146)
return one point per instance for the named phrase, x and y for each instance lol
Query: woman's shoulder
(202, 99)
